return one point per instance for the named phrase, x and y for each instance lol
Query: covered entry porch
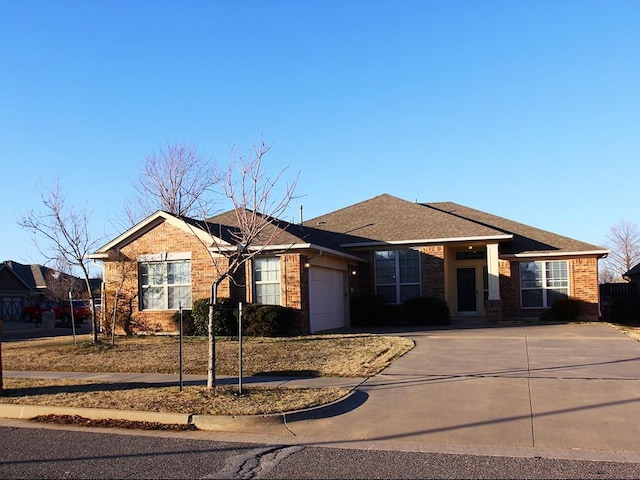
(472, 279)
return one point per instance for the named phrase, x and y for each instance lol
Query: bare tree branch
(66, 234)
(624, 245)
(177, 179)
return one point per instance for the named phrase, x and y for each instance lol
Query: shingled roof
(526, 240)
(388, 219)
(33, 276)
(635, 271)
(391, 220)
(282, 234)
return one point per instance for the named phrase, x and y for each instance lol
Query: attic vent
(321, 222)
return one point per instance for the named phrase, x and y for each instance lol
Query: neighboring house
(22, 285)
(481, 264)
(633, 275)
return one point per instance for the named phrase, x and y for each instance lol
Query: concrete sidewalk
(559, 391)
(172, 379)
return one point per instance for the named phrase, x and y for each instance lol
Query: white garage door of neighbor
(326, 298)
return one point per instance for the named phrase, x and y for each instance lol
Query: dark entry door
(466, 282)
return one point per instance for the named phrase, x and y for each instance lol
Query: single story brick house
(483, 265)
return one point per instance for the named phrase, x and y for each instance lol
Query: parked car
(81, 311)
(34, 312)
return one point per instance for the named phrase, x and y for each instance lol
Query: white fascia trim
(555, 254)
(145, 225)
(430, 240)
(294, 246)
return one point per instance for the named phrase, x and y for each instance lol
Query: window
(397, 275)
(542, 283)
(165, 285)
(267, 280)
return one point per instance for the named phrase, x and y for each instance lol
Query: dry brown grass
(192, 400)
(633, 332)
(320, 355)
(357, 355)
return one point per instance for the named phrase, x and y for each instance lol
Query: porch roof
(527, 240)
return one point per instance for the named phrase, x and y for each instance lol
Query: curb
(214, 423)
(11, 410)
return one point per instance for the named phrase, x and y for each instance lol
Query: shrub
(563, 310)
(268, 320)
(368, 310)
(426, 311)
(195, 322)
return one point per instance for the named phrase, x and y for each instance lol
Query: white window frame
(546, 284)
(164, 286)
(273, 297)
(397, 283)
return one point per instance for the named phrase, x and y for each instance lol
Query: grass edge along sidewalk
(376, 351)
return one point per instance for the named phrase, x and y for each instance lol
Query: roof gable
(189, 225)
(14, 275)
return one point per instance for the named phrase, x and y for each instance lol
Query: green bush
(268, 320)
(562, 310)
(195, 322)
(426, 311)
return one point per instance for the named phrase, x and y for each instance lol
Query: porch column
(493, 271)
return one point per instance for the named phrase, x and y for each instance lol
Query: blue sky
(525, 109)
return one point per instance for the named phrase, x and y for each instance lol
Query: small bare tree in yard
(66, 233)
(624, 245)
(257, 205)
(181, 182)
(123, 289)
(177, 179)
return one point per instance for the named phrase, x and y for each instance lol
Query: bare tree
(181, 182)
(123, 288)
(177, 179)
(66, 233)
(257, 205)
(60, 281)
(623, 241)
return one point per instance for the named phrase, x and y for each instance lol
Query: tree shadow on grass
(9, 392)
(289, 373)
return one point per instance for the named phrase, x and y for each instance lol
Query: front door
(466, 287)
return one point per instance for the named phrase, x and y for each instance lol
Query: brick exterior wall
(294, 284)
(162, 238)
(433, 266)
(583, 286)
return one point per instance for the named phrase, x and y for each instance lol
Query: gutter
(602, 253)
(427, 241)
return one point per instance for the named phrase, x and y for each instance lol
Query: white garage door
(326, 298)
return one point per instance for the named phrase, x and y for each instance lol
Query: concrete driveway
(564, 391)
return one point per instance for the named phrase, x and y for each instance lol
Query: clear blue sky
(525, 109)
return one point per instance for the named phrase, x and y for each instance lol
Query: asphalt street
(54, 452)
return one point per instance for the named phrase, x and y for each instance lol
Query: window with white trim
(542, 283)
(165, 285)
(397, 275)
(266, 274)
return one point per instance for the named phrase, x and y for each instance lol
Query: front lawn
(354, 355)
(319, 355)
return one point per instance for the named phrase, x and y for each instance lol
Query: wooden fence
(620, 301)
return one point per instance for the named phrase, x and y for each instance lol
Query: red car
(81, 311)
(34, 312)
